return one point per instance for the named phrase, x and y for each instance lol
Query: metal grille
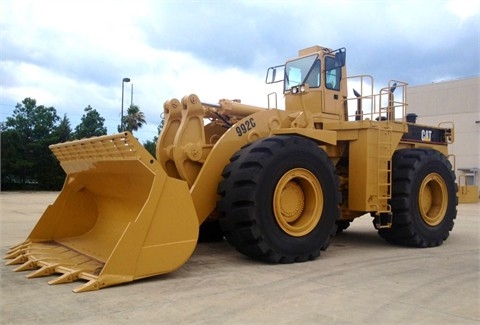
(109, 147)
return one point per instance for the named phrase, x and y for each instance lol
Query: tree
(64, 130)
(91, 124)
(151, 145)
(134, 119)
(26, 159)
(161, 125)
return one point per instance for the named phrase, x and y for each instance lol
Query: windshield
(301, 71)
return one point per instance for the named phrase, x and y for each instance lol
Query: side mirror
(275, 74)
(340, 58)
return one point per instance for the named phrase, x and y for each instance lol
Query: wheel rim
(298, 202)
(433, 199)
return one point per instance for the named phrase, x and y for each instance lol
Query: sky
(71, 54)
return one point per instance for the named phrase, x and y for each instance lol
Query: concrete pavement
(360, 279)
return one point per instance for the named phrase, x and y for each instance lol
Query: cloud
(70, 54)
(463, 9)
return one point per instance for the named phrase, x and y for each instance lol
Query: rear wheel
(423, 198)
(342, 225)
(279, 200)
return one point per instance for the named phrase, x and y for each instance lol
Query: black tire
(423, 199)
(210, 231)
(279, 200)
(342, 225)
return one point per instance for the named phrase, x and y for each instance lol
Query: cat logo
(426, 135)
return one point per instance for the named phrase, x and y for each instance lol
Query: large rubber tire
(342, 225)
(423, 198)
(279, 200)
(210, 232)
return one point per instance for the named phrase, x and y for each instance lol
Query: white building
(456, 101)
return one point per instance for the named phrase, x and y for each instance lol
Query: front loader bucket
(118, 218)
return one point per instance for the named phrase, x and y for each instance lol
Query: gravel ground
(360, 279)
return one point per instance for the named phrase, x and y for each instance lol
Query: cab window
(333, 74)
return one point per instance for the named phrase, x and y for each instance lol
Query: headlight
(298, 89)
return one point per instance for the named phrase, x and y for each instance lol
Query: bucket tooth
(18, 260)
(43, 271)
(89, 286)
(66, 277)
(22, 245)
(14, 252)
(28, 265)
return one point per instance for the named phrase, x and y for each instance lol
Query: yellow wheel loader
(277, 184)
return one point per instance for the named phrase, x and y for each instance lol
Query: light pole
(121, 117)
(131, 95)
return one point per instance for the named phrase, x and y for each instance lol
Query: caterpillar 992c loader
(276, 183)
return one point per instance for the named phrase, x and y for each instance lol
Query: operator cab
(313, 82)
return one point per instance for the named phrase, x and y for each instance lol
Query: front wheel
(423, 198)
(279, 200)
